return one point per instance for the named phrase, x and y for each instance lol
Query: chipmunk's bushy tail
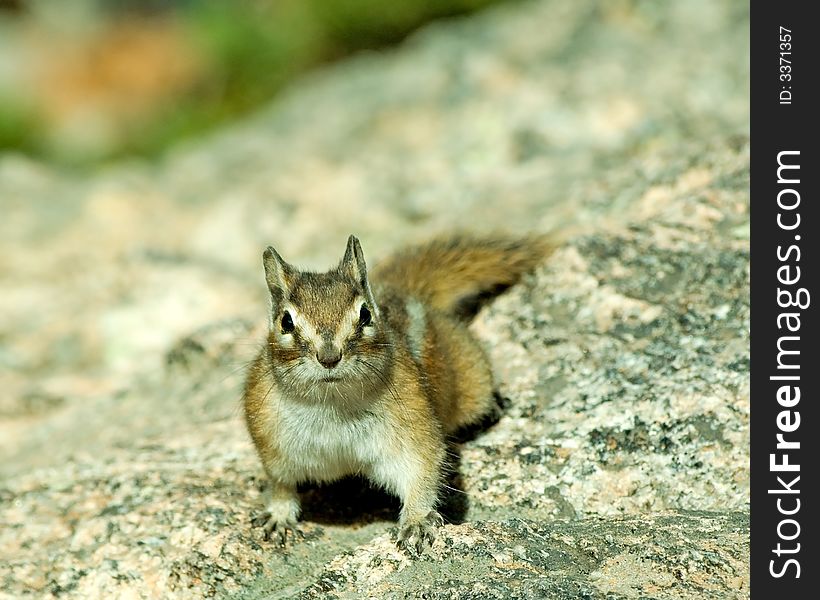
(456, 275)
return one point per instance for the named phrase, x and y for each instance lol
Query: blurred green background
(87, 81)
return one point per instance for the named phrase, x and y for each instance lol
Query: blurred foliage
(247, 51)
(19, 127)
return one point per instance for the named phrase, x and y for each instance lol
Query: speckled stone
(691, 555)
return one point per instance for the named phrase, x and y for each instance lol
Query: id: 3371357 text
(785, 65)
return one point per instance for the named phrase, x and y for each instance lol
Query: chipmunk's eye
(287, 323)
(364, 316)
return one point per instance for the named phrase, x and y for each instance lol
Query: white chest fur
(321, 444)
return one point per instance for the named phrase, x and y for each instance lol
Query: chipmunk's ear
(278, 273)
(353, 261)
(353, 265)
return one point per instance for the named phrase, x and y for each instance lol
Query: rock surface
(133, 299)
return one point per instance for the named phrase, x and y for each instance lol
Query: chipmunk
(369, 374)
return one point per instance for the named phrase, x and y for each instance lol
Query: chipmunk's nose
(328, 356)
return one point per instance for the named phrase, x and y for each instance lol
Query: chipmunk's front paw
(415, 536)
(276, 529)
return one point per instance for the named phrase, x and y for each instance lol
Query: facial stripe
(348, 324)
(306, 329)
(284, 340)
(368, 331)
(303, 326)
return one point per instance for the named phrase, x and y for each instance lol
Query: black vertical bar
(784, 122)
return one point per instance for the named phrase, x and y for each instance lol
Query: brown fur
(451, 272)
(410, 372)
